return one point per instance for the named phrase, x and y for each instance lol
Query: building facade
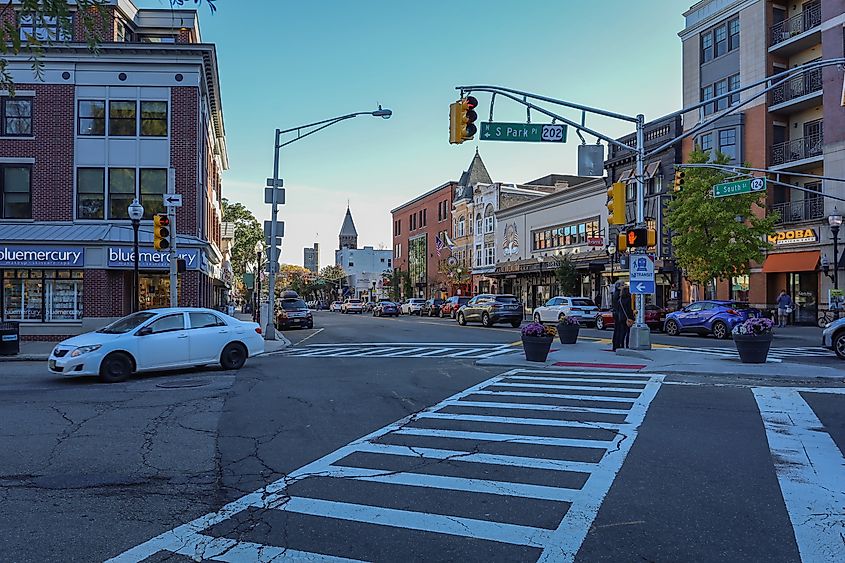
(798, 128)
(366, 269)
(463, 226)
(311, 260)
(142, 116)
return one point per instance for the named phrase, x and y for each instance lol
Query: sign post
(747, 186)
(172, 201)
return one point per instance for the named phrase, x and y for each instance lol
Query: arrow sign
(641, 270)
(172, 200)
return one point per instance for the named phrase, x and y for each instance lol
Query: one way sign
(173, 200)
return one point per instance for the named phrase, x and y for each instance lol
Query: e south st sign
(526, 132)
(747, 186)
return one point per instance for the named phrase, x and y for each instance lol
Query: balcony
(799, 92)
(797, 153)
(809, 209)
(798, 32)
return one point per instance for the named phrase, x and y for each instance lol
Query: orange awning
(791, 262)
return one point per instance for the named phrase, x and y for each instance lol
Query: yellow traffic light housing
(679, 180)
(621, 242)
(161, 232)
(616, 204)
(651, 238)
(462, 118)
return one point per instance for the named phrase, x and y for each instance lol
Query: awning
(651, 170)
(791, 262)
(626, 175)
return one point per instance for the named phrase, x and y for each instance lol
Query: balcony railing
(807, 82)
(796, 25)
(797, 149)
(797, 211)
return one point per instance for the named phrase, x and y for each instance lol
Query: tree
(248, 234)
(567, 277)
(294, 278)
(90, 13)
(716, 237)
(335, 275)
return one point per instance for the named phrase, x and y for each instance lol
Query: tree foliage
(248, 234)
(716, 237)
(293, 277)
(567, 277)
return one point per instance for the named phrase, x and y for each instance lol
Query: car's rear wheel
(720, 330)
(233, 356)
(839, 344)
(516, 324)
(672, 328)
(461, 319)
(600, 322)
(115, 367)
(486, 320)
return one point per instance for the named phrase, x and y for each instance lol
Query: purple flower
(537, 329)
(573, 321)
(754, 326)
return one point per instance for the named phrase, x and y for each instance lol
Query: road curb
(25, 358)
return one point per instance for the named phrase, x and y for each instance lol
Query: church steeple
(348, 234)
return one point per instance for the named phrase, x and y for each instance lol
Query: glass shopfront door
(804, 290)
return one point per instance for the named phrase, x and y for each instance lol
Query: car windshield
(126, 324)
(583, 303)
(463, 300)
(293, 304)
(510, 299)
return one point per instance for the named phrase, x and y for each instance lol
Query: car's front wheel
(115, 367)
(600, 322)
(839, 344)
(461, 319)
(233, 356)
(720, 330)
(672, 328)
(486, 320)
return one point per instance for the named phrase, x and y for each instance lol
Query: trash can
(10, 339)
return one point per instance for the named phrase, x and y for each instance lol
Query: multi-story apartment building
(798, 128)
(79, 144)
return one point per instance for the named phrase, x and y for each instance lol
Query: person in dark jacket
(618, 332)
(626, 306)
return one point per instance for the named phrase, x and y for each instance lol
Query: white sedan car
(158, 339)
(582, 308)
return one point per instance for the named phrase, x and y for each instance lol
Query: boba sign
(794, 236)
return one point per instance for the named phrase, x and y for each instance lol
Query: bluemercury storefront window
(154, 290)
(739, 288)
(42, 295)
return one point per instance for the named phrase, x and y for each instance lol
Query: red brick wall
(52, 149)
(104, 25)
(184, 102)
(101, 291)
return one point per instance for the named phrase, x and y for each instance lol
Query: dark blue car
(709, 317)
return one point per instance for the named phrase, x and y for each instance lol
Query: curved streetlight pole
(270, 331)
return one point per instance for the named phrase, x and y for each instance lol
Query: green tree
(248, 234)
(567, 277)
(335, 276)
(716, 237)
(90, 13)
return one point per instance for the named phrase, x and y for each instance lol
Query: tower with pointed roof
(475, 174)
(348, 234)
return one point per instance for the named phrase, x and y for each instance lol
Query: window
(733, 34)
(42, 295)
(631, 191)
(721, 36)
(352, 264)
(707, 94)
(488, 224)
(740, 288)
(706, 142)
(92, 117)
(90, 193)
(122, 118)
(721, 88)
(15, 192)
(733, 85)
(461, 226)
(17, 117)
(727, 143)
(153, 186)
(45, 28)
(153, 119)
(706, 47)
(205, 320)
(158, 39)
(397, 252)
(478, 228)
(168, 323)
(424, 217)
(490, 255)
(478, 255)
(121, 192)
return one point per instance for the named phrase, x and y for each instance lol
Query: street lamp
(275, 183)
(611, 253)
(136, 211)
(835, 221)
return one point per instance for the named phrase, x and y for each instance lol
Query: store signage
(595, 241)
(41, 256)
(124, 257)
(794, 236)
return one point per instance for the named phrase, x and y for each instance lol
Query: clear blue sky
(285, 62)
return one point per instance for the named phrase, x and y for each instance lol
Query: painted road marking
(774, 353)
(584, 495)
(399, 350)
(557, 396)
(534, 407)
(810, 469)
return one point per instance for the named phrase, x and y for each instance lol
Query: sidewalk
(588, 355)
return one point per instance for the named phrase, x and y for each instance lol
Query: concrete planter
(536, 347)
(753, 348)
(568, 334)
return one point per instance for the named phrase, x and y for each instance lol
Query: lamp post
(275, 183)
(257, 297)
(136, 211)
(835, 221)
(611, 253)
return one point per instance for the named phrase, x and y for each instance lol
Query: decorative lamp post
(835, 221)
(611, 253)
(136, 212)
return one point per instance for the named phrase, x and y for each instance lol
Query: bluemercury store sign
(148, 258)
(41, 256)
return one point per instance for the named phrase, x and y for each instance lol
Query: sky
(285, 63)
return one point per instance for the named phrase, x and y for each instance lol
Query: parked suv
(491, 309)
(294, 312)
(709, 317)
(412, 306)
(450, 306)
(581, 308)
(352, 306)
(431, 308)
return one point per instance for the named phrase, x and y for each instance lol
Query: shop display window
(42, 295)
(154, 291)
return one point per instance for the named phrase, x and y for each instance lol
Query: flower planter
(753, 348)
(568, 333)
(536, 347)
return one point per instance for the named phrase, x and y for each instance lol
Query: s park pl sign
(525, 132)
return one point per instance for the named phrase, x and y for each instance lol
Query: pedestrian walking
(618, 318)
(627, 307)
(784, 308)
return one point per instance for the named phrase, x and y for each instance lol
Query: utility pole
(640, 333)
(171, 214)
(270, 329)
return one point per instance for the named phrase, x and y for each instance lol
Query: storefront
(797, 273)
(42, 284)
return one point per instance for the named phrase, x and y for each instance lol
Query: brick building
(77, 146)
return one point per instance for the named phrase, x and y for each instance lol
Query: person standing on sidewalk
(784, 308)
(626, 306)
(618, 317)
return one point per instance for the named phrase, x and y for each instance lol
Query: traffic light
(641, 238)
(679, 180)
(462, 118)
(616, 204)
(161, 232)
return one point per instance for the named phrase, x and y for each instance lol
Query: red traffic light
(472, 103)
(162, 220)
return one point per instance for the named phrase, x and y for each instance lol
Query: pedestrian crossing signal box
(641, 238)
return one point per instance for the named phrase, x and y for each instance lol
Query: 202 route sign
(525, 132)
(747, 186)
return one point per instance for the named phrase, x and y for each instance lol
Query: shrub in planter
(753, 337)
(537, 341)
(567, 329)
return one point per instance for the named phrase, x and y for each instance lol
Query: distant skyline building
(312, 258)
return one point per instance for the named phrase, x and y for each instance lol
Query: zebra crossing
(786, 353)
(401, 350)
(514, 468)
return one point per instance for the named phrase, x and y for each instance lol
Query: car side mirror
(144, 331)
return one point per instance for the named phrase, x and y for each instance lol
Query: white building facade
(365, 270)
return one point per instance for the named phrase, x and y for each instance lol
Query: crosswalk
(786, 353)
(401, 350)
(514, 468)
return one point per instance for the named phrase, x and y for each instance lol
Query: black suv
(491, 309)
(431, 308)
(294, 312)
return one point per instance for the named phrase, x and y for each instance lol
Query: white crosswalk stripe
(400, 350)
(585, 465)
(786, 353)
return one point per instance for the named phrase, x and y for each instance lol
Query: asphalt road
(418, 456)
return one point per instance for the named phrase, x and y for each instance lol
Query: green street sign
(525, 132)
(747, 186)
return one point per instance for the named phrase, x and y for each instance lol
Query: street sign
(747, 186)
(591, 160)
(279, 183)
(280, 228)
(280, 195)
(642, 274)
(172, 200)
(267, 241)
(526, 132)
